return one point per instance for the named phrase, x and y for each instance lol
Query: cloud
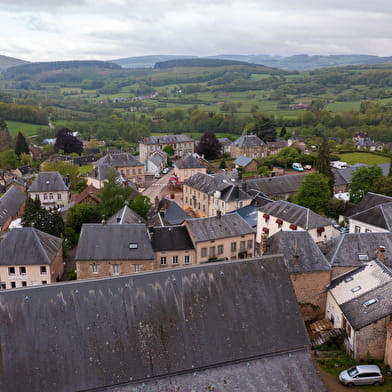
(83, 29)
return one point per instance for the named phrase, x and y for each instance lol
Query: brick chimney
(295, 259)
(263, 243)
(381, 253)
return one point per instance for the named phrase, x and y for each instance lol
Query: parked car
(165, 170)
(308, 167)
(297, 167)
(157, 175)
(362, 375)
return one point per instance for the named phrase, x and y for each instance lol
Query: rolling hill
(7, 62)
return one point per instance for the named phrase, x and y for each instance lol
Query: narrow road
(158, 185)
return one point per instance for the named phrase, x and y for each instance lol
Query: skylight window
(356, 288)
(363, 257)
(133, 246)
(370, 302)
(349, 279)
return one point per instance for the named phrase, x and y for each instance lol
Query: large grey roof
(10, 203)
(89, 334)
(49, 182)
(126, 216)
(213, 228)
(293, 213)
(188, 162)
(279, 185)
(287, 372)
(171, 238)
(166, 139)
(380, 216)
(370, 200)
(168, 213)
(209, 183)
(347, 172)
(248, 213)
(360, 316)
(121, 159)
(301, 244)
(344, 251)
(158, 157)
(250, 141)
(243, 161)
(111, 242)
(28, 246)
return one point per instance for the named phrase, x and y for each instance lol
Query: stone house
(172, 246)
(360, 303)
(30, 257)
(126, 216)
(388, 345)
(310, 271)
(374, 219)
(181, 144)
(274, 148)
(52, 189)
(249, 145)
(166, 212)
(11, 207)
(187, 166)
(156, 162)
(224, 237)
(281, 215)
(113, 249)
(206, 194)
(225, 145)
(245, 163)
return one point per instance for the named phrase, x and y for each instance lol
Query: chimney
(218, 214)
(156, 202)
(263, 243)
(295, 259)
(381, 253)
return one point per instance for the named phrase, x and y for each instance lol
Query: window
(203, 252)
(94, 268)
(368, 231)
(45, 196)
(185, 172)
(370, 302)
(220, 249)
(3, 285)
(132, 245)
(175, 260)
(187, 259)
(127, 171)
(24, 284)
(349, 279)
(233, 247)
(242, 246)
(22, 270)
(241, 204)
(212, 252)
(50, 196)
(11, 270)
(42, 269)
(139, 171)
(115, 269)
(363, 257)
(133, 171)
(44, 282)
(355, 289)
(163, 260)
(59, 196)
(357, 229)
(36, 196)
(250, 244)
(136, 268)
(13, 285)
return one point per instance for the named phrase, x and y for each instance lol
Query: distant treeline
(199, 63)
(35, 68)
(23, 113)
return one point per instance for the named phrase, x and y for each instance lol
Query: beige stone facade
(388, 345)
(173, 259)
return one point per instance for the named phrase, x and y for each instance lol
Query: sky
(54, 30)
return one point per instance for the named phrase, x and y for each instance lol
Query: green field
(27, 129)
(340, 107)
(363, 157)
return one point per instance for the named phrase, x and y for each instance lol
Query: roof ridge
(384, 216)
(40, 243)
(341, 239)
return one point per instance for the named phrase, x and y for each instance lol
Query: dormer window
(363, 257)
(370, 302)
(349, 279)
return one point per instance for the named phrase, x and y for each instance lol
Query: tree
(362, 180)
(5, 137)
(169, 150)
(113, 196)
(141, 205)
(21, 145)
(65, 169)
(263, 126)
(66, 141)
(209, 146)
(283, 132)
(82, 213)
(323, 164)
(314, 192)
(49, 221)
(8, 160)
(383, 185)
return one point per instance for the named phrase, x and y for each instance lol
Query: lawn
(26, 128)
(363, 157)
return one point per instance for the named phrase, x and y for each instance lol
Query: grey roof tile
(380, 216)
(126, 216)
(250, 141)
(243, 161)
(121, 159)
(370, 200)
(171, 238)
(49, 182)
(10, 203)
(188, 162)
(166, 139)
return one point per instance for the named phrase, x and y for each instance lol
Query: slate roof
(360, 316)
(166, 139)
(209, 183)
(243, 161)
(89, 191)
(135, 327)
(171, 238)
(379, 216)
(249, 141)
(121, 159)
(157, 157)
(10, 203)
(28, 246)
(344, 251)
(248, 213)
(370, 200)
(126, 216)
(362, 279)
(188, 161)
(344, 175)
(279, 185)
(168, 213)
(49, 182)
(277, 144)
(224, 141)
(295, 214)
(111, 242)
(214, 228)
(299, 243)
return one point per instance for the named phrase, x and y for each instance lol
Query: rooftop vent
(370, 302)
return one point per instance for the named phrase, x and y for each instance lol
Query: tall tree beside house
(209, 146)
(263, 126)
(21, 145)
(314, 193)
(8, 160)
(383, 186)
(141, 205)
(362, 181)
(65, 169)
(82, 213)
(5, 137)
(390, 168)
(283, 132)
(66, 141)
(323, 164)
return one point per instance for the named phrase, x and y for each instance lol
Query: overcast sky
(49, 30)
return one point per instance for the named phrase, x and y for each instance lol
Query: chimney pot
(295, 259)
(381, 253)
